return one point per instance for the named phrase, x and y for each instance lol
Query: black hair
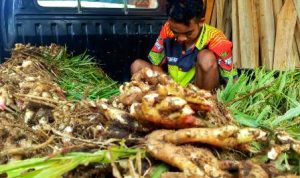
(182, 11)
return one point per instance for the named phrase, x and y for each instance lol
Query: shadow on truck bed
(113, 37)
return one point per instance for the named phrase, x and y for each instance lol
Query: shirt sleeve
(223, 51)
(157, 53)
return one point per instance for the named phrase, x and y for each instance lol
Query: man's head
(186, 18)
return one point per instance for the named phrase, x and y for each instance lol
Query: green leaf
(21, 164)
(59, 165)
(159, 170)
(245, 119)
(287, 116)
(264, 113)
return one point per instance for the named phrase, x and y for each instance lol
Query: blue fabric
(174, 56)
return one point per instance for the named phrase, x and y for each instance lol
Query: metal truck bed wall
(113, 38)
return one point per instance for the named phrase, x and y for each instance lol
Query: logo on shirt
(226, 64)
(158, 46)
(172, 59)
(228, 61)
(224, 54)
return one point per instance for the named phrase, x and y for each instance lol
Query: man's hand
(157, 69)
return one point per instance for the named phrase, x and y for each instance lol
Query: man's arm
(139, 64)
(157, 68)
(157, 53)
(222, 48)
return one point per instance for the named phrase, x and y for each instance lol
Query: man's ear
(202, 20)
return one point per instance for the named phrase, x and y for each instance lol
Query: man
(193, 51)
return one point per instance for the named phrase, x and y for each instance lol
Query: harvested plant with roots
(151, 120)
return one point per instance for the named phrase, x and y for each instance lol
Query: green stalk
(159, 170)
(272, 108)
(78, 73)
(59, 165)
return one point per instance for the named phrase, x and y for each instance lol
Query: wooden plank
(235, 35)
(285, 29)
(256, 10)
(295, 54)
(297, 41)
(297, 35)
(297, 30)
(266, 32)
(213, 21)
(227, 19)
(255, 32)
(277, 4)
(209, 10)
(220, 13)
(249, 55)
(297, 6)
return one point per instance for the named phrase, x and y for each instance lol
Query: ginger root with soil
(154, 99)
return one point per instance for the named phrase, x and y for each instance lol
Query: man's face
(186, 34)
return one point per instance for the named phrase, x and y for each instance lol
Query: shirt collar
(199, 43)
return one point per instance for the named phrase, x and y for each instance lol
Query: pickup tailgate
(114, 37)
